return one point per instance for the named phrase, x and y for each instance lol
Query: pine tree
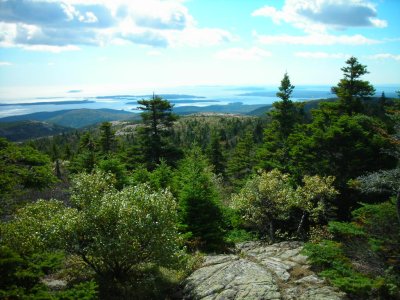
(199, 211)
(158, 119)
(241, 162)
(350, 89)
(285, 110)
(284, 117)
(215, 155)
(87, 157)
(107, 138)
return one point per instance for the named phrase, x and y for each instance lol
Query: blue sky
(102, 45)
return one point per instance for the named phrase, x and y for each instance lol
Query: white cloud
(322, 55)
(253, 53)
(319, 39)
(53, 49)
(5, 63)
(62, 24)
(384, 56)
(320, 15)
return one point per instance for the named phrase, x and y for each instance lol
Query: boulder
(258, 271)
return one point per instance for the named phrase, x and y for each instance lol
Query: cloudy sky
(159, 43)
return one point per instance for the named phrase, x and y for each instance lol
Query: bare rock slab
(259, 271)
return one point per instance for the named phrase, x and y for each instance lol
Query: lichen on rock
(258, 271)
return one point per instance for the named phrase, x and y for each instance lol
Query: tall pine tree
(351, 90)
(158, 119)
(285, 115)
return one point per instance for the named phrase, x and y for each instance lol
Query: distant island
(67, 102)
(74, 91)
(182, 101)
(164, 96)
(307, 94)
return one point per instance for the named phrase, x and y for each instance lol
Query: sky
(126, 45)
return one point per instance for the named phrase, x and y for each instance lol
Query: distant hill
(370, 104)
(312, 104)
(23, 130)
(75, 118)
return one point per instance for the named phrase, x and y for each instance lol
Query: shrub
(118, 234)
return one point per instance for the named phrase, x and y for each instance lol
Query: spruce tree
(284, 117)
(107, 138)
(158, 119)
(241, 162)
(351, 90)
(285, 110)
(199, 210)
(215, 155)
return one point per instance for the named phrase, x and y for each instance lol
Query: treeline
(135, 202)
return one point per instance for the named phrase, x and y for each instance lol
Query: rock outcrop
(257, 271)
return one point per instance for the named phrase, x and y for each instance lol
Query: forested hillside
(127, 209)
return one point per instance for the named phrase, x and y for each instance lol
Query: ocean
(179, 96)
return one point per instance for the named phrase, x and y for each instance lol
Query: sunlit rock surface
(258, 271)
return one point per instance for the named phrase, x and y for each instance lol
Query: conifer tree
(215, 155)
(107, 138)
(86, 158)
(241, 162)
(158, 119)
(199, 211)
(285, 110)
(284, 116)
(351, 89)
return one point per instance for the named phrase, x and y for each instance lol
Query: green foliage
(118, 231)
(24, 130)
(242, 161)
(381, 227)
(265, 199)
(107, 138)
(269, 198)
(350, 90)
(37, 227)
(87, 157)
(197, 130)
(313, 196)
(158, 119)
(117, 168)
(343, 146)
(215, 155)
(161, 177)
(284, 118)
(285, 110)
(372, 238)
(324, 254)
(200, 215)
(21, 168)
(119, 234)
(329, 257)
(239, 235)
(139, 175)
(345, 230)
(85, 291)
(21, 275)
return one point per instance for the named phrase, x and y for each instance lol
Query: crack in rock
(258, 271)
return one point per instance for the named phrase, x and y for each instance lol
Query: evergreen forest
(127, 210)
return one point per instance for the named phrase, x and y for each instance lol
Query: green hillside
(23, 130)
(75, 118)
